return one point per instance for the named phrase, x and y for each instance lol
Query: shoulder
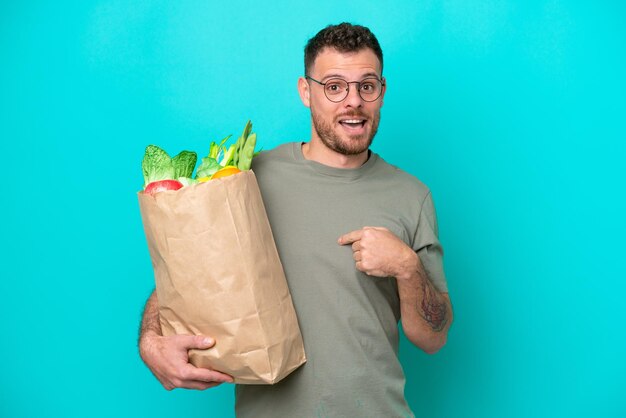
(265, 159)
(402, 182)
(274, 166)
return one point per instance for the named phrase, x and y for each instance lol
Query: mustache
(352, 114)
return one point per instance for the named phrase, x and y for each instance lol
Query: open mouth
(353, 123)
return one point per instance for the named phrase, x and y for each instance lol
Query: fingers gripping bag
(218, 273)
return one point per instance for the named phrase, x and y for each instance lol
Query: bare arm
(426, 312)
(150, 321)
(167, 357)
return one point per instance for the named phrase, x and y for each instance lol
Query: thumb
(196, 341)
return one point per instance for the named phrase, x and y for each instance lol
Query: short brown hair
(344, 37)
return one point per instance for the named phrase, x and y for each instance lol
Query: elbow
(438, 338)
(435, 344)
(430, 344)
(432, 337)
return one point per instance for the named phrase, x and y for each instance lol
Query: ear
(382, 95)
(303, 90)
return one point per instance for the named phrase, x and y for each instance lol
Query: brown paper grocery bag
(218, 273)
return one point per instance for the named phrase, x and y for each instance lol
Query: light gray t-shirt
(349, 321)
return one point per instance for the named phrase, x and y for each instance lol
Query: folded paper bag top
(218, 273)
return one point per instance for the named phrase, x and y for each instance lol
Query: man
(358, 241)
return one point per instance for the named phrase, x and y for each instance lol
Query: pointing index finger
(350, 237)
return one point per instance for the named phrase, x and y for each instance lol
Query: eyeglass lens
(336, 89)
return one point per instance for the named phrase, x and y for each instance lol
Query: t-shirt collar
(346, 173)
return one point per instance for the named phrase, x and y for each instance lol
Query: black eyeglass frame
(358, 83)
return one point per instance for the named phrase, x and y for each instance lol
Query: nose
(354, 98)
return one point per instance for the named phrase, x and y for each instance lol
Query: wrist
(408, 266)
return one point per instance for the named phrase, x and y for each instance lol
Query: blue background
(512, 112)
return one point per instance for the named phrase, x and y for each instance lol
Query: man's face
(347, 127)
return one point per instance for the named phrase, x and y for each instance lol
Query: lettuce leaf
(156, 165)
(184, 163)
(207, 167)
(186, 181)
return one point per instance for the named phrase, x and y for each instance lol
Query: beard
(352, 144)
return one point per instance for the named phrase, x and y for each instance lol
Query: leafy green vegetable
(186, 181)
(227, 159)
(216, 149)
(247, 152)
(240, 143)
(208, 166)
(184, 163)
(238, 154)
(156, 165)
(244, 136)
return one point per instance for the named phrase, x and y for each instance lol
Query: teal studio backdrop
(512, 112)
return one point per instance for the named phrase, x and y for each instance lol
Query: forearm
(150, 324)
(426, 312)
(168, 358)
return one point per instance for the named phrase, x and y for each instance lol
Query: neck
(316, 151)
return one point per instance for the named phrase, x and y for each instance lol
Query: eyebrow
(366, 75)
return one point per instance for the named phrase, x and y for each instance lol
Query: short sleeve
(426, 244)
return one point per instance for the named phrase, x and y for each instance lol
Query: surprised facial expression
(346, 127)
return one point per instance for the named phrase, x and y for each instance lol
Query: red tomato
(162, 185)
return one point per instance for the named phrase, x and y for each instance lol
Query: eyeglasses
(337, 89)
